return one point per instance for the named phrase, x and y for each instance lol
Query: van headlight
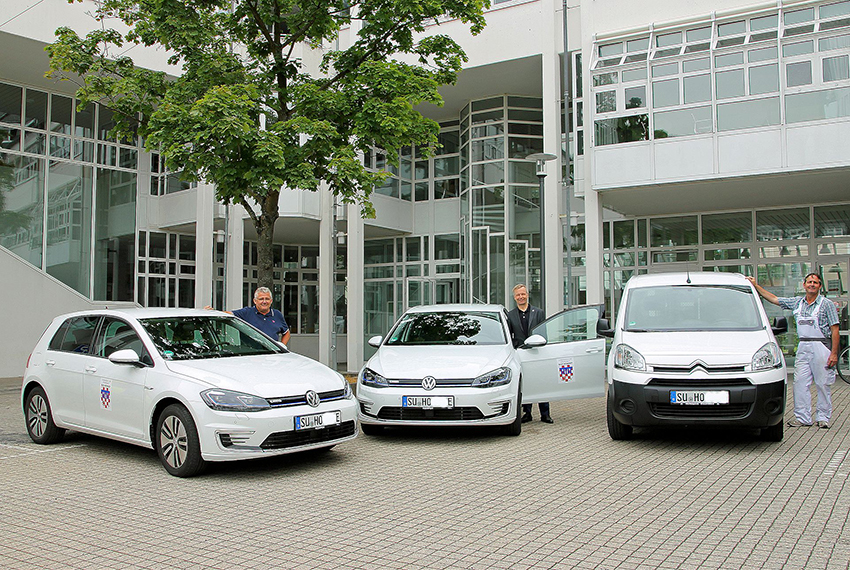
(767, 357)
(495, 378)
(230, 401)
(627, 358)
(373, 379)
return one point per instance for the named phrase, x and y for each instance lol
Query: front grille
(436, 414)
(440, 381)
(689, 369)
(729, 411)
(284, 439)
(285, 401)
(688, 383)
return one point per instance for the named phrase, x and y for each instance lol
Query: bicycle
(843, 366)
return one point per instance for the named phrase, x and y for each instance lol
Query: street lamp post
(541, 158)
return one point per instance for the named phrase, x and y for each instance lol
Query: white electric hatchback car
(194, 385)
(453, 365)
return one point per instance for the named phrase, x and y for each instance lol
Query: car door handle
(592, 350)
(49, 362)
(91, 369)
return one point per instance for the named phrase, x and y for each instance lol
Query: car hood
(714, 348)
(415, 362)
(266, 376)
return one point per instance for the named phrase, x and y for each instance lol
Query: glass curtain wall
(68, 192)
(500, 196)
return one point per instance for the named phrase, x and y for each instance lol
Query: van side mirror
(780, 325)
(603, 327)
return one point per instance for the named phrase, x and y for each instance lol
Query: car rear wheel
(616, 429)
(176, 442)
(40, 426)
(370, 429)
(773, 433)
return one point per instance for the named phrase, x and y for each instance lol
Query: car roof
(147, 313)
(456, 308)
(688, 278)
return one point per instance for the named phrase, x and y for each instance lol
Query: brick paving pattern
(559, 496)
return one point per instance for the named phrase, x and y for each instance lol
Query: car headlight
(372, 378)
(230, 401)
(628, 358)
(347, 393)
(767, 357)
(497, 377)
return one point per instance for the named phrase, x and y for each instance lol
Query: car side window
(118, 335)
(77, 337)
(570, 326)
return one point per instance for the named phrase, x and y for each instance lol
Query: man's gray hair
(262, 290)
(518, 285)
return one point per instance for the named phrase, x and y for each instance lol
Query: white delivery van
(694, 349)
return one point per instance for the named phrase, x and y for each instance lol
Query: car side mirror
(780, 325)
(282, 345)
(375, 341)
(534, 341)
(603, 327)
(126, 356)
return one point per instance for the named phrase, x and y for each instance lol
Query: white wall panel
(819, 145)
(750, 152)
(684, 158)
(621, 164)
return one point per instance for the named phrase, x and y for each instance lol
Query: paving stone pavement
(558, 496)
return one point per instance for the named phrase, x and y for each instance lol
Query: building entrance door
(418, 291)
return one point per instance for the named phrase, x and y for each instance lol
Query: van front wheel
(616, 429)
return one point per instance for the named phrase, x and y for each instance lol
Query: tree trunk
(265, 234)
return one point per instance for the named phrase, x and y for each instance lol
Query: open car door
(571, 364)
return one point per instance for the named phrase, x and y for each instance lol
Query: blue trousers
(544, 409)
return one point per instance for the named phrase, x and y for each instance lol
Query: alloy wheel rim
(173, 441)
(37, 416)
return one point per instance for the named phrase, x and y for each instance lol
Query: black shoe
(526, 418)
(547, 420)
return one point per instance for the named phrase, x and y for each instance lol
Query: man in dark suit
(521, 320)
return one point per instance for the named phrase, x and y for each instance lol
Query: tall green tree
(246, 114)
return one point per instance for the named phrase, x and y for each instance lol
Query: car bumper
(471, 406)
(751, 404)
(231, 436)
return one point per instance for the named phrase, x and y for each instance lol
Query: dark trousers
(544, 409)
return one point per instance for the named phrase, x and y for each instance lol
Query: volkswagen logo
(429, 383)
(313, 399)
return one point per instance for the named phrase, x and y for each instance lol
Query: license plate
(427, 401)
(699, 397)
(318, 421)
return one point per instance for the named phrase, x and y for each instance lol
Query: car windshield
(691, 308)
(187, 338)
(448, 328)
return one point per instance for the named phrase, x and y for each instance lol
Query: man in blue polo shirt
(263, 317)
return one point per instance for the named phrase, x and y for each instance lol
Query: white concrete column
(234, 269)
(204, 243)
(354, 290)
(593, 235)
(550, 34)
(327, 261)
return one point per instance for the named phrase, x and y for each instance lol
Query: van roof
(681, 278)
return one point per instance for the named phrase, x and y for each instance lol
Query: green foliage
(245, 114)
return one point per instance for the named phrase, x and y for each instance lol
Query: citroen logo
(313, 399)
(429, 383)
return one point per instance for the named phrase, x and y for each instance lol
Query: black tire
(773, 433)
(843, 366)
(39, 418)
(616, 429)
(370, 429)
(176, 442)
(514, 428)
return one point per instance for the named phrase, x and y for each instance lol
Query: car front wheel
(616, 429)
(40, 426)
(176, 442)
